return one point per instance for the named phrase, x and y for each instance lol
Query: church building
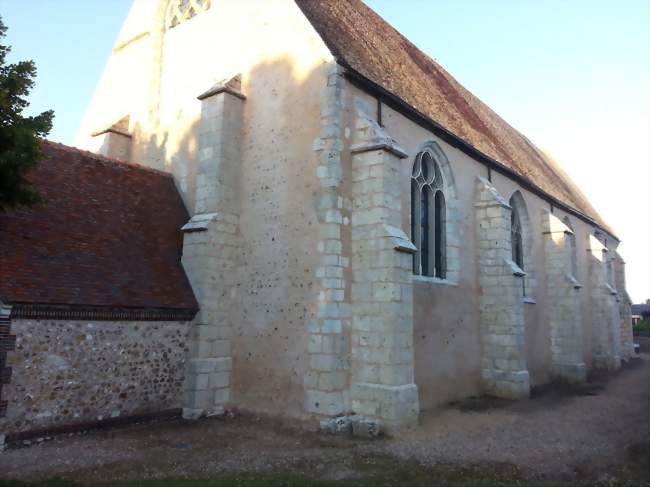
(285, 207)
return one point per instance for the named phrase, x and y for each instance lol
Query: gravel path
(599, 431)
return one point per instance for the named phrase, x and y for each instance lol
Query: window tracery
(182, 10)
(428, 217)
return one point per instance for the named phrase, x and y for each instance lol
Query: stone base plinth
(325, 403)
(397, 407)
(574, 373)
(506, 384)
(607, 361)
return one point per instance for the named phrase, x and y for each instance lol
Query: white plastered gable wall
(155, 72)
(123, 87)
(155, 75)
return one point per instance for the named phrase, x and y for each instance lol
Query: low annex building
(94, 295)
(327, 224)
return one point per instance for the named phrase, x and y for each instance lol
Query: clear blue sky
(573, 75)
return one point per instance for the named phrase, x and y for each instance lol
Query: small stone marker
(364, 427)
(351, 425)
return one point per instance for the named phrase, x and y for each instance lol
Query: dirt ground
(598, 431)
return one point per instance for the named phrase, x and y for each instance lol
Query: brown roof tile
(361, 40)
(108, 235)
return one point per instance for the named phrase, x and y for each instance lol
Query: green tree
(20, 136)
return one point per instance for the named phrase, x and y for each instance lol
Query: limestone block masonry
(382, 291)
(606, 331)
(115, 140)
(327, 381)
(503, 364)
(211, 249)
(562, 289)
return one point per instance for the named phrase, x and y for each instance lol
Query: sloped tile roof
(362, 41)
(108, 235)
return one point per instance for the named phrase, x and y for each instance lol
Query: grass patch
(235, 482)
(643, 325)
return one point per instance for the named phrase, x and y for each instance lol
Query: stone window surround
(452, 251)
(434, 280)
(529, 282)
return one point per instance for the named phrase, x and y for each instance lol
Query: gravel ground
(599, 431)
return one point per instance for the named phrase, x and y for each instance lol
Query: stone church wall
(445, 312)
(74, 372)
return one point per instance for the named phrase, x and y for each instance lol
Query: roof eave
(400, 105)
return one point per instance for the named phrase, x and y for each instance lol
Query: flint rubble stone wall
(70, 372)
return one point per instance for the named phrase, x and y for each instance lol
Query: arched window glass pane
(414, 221)
(516, 238)
(440, 235)
(424, 231)
(574, 255)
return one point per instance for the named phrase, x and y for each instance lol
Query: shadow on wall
(277, 289)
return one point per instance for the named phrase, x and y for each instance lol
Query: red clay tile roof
(361, 40)
(108, 235)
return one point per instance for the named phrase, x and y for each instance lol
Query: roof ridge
(380, 57)
(104, 159)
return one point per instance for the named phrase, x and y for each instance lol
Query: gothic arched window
(516, 237)
(521, 239)
(428, 217)
(182, 10)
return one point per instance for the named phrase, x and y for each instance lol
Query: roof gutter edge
(76, 312)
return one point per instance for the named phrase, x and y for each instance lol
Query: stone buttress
(503, 364)
(327, 381)
(382, 379)
(606, 331)
(625, 309)
(210, 249)
(562, 290)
